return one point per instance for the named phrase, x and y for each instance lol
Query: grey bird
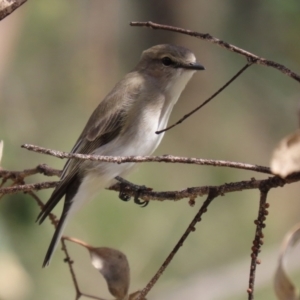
(123, 124)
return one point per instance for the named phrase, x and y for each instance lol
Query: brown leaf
(284, 288)
(113, 265)
(286, 157)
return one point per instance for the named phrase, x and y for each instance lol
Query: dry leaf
(286, 157)
(114, 267)
(284, 288)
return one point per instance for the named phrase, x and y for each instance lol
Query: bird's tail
(57, 235)
(77, 191)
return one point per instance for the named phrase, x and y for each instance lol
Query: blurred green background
(58, 59)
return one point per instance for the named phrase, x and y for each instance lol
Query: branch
(258, 239)
(140, 159)
(212, 194)
(40, 169)
(194, 192)
(148, 194)
(28, 187)
(207, 37)
(8, 6)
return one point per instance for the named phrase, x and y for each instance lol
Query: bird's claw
(137, 199)
(125, 197)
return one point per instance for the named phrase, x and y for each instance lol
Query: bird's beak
(190, 66)
(194, 66)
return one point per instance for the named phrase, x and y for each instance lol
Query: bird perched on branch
(123, 124)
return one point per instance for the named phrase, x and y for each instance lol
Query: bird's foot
(123, 195)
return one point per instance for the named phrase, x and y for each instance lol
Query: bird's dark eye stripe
(167, 61)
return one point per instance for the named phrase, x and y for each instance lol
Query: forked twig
(213, 193)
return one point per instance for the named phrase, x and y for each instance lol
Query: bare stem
(28, 187)
(194, 192)
(149, 194)
(141, 159)
(40, 169)
(258, 238)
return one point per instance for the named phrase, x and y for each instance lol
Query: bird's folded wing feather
(92, 138)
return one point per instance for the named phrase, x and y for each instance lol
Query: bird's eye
(167, 61)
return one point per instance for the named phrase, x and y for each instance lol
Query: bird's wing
(93, 137)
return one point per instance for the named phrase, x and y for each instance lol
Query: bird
(123, 124)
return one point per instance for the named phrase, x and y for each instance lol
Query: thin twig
(40, 203)
(207, 37)
(28, 187)
(70, 264)
(258, 239)
(91, 296)
(18, 177)
(141, 159)
(207, 100)
(213, 193)
(40, 169)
